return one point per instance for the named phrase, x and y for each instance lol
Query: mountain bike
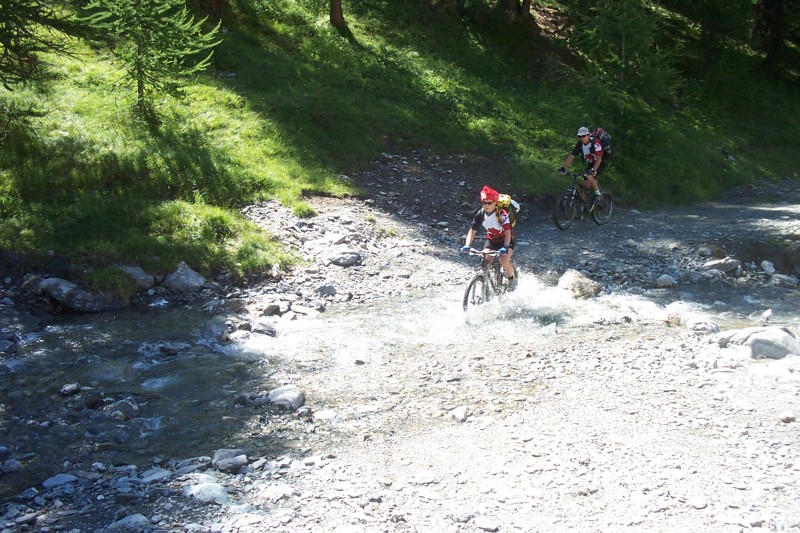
(572, 204)
(489, 282)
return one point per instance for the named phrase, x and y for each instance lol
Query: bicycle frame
(578, 190)
(489, 281)
(572, 203)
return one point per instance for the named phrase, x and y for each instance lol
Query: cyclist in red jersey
(499, 235)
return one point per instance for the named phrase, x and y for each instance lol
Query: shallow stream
(186, 386)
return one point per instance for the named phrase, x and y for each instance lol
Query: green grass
(292, 104)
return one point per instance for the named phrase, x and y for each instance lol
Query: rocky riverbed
(664, 401)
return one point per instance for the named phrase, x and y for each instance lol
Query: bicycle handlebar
(491, 253)
(575, 174)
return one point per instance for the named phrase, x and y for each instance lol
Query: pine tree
(28, 28)
(157, 40)
(618, 41)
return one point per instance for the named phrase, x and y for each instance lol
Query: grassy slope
(292, 104)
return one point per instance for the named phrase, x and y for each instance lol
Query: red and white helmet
(487, 193)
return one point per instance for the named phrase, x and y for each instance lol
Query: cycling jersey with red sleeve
(590, 151)
(496, 227)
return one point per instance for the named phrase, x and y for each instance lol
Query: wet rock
(578, 284)
(134, 522)
(782, 280)
(207, 493)
(70, 389)
(326, 289)
(486, 524)
(346, 258)
(263, 327)
(703, 326)
(184, 280)
(142, 279)
(460, 413)
(271, 309)
(18, 321)
(124, 409)
(59, 480)
(726, 264)
(764, 342)
(229, 460)
(162, 348)
(70, 296)
(12, 465)
(666, 281)
(325, 414)
(187, 466)
(155, 474)
(9, 344)
(289, 398)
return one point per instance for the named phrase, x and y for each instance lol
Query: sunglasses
(487, 202)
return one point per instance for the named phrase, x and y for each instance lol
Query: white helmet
(583, 131)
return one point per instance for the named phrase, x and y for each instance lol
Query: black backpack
(605, 141)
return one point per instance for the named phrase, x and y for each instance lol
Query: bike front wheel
(476, 293)
(603, 207)
(564, 211)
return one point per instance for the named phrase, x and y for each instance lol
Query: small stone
(70, 389)
(486, 524)
(697, 502)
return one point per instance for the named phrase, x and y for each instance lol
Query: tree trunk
(770, 26)
(525, 11)
(337, 16)
(140, 96)
(709, 34)
(517, 10)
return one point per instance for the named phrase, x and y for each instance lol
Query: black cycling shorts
(600, 169)
(497, 245)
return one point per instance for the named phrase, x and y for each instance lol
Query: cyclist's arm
(507, 237)
(568, 160)
(597, 160)
(470, 237)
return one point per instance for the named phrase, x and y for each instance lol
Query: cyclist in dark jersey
(592, 151)
(499, 235)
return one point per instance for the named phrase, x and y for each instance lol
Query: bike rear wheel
(564, 211)
(603, 207)
(477, 292)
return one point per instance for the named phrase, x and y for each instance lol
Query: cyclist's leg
(594, 179)
(589, 181)
(586, 186)
(505, 260)
(489, 246)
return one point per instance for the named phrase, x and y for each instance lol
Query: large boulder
(142, 279)
(726, 264)
(764, 342)
(184, 279)
(72, 297)
(579, 285)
